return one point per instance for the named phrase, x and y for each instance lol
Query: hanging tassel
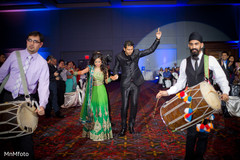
(200, 128)
(185, 99)
(188, 99)
(210, 125)
(188, 114)
(212, 117)
(178, 95)
(183, 95)
(207, 128)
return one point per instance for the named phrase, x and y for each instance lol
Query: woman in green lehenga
(94, 113)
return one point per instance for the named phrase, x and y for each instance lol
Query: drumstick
(155, 108)
(36, 104)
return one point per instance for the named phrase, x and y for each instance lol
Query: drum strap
(4, 82)
(24, 82)
(206, 67)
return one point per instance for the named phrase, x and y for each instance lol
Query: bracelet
(75, 73)
(109, 80)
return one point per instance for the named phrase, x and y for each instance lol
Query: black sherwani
(131, 80)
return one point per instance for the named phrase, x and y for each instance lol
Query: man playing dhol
(37, 77)
(192, 73)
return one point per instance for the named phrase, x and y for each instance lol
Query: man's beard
(194, 53)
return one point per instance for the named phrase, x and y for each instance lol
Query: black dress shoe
(59, 115)
(122, 132)
(131, 130)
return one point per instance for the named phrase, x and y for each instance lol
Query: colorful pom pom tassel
(185, 99)
(210, 125)
(204, 128)
(183, 95)
(212, 117)
(178, 95)
(189, 99)
(200, 128)
(188, 114)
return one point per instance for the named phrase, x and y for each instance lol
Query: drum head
(210, 95)
(27, 118)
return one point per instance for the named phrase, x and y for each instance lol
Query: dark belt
(19, 95)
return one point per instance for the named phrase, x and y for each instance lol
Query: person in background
(231, 67)
(71, 82)
(175, 65)
(224, 64)
(237, 73)
(54, 62)
(174, 75)
(37, 77)
(160, 74)
(167, 75)
(177, 70)
(53, 98)
(2, 59)
(75, 69)
(61, 83)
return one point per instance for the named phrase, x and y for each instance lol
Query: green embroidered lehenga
(94, 113)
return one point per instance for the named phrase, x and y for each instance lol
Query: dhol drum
(17, 119)
(205, 101)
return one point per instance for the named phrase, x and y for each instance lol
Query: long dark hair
(103, 67)
(233, 61)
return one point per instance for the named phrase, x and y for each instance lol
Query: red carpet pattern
(61, 138)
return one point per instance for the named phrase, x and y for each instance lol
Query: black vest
(193, 78)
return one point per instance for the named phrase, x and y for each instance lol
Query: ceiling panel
(80, 1)
(71, 4)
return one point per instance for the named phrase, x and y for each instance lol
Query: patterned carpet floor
(61, 138)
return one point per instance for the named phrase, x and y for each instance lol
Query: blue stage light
(232, 42)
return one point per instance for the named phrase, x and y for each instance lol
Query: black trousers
(198, 140)
(131, 93)
(53, 99)
(61, 87)
(22, 144)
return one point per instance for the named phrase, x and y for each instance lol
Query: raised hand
(115, 77)
(230, 63)
(159, 34)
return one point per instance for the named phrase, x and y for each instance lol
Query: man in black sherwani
(131, 79)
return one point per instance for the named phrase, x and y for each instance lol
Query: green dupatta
(86, 115)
